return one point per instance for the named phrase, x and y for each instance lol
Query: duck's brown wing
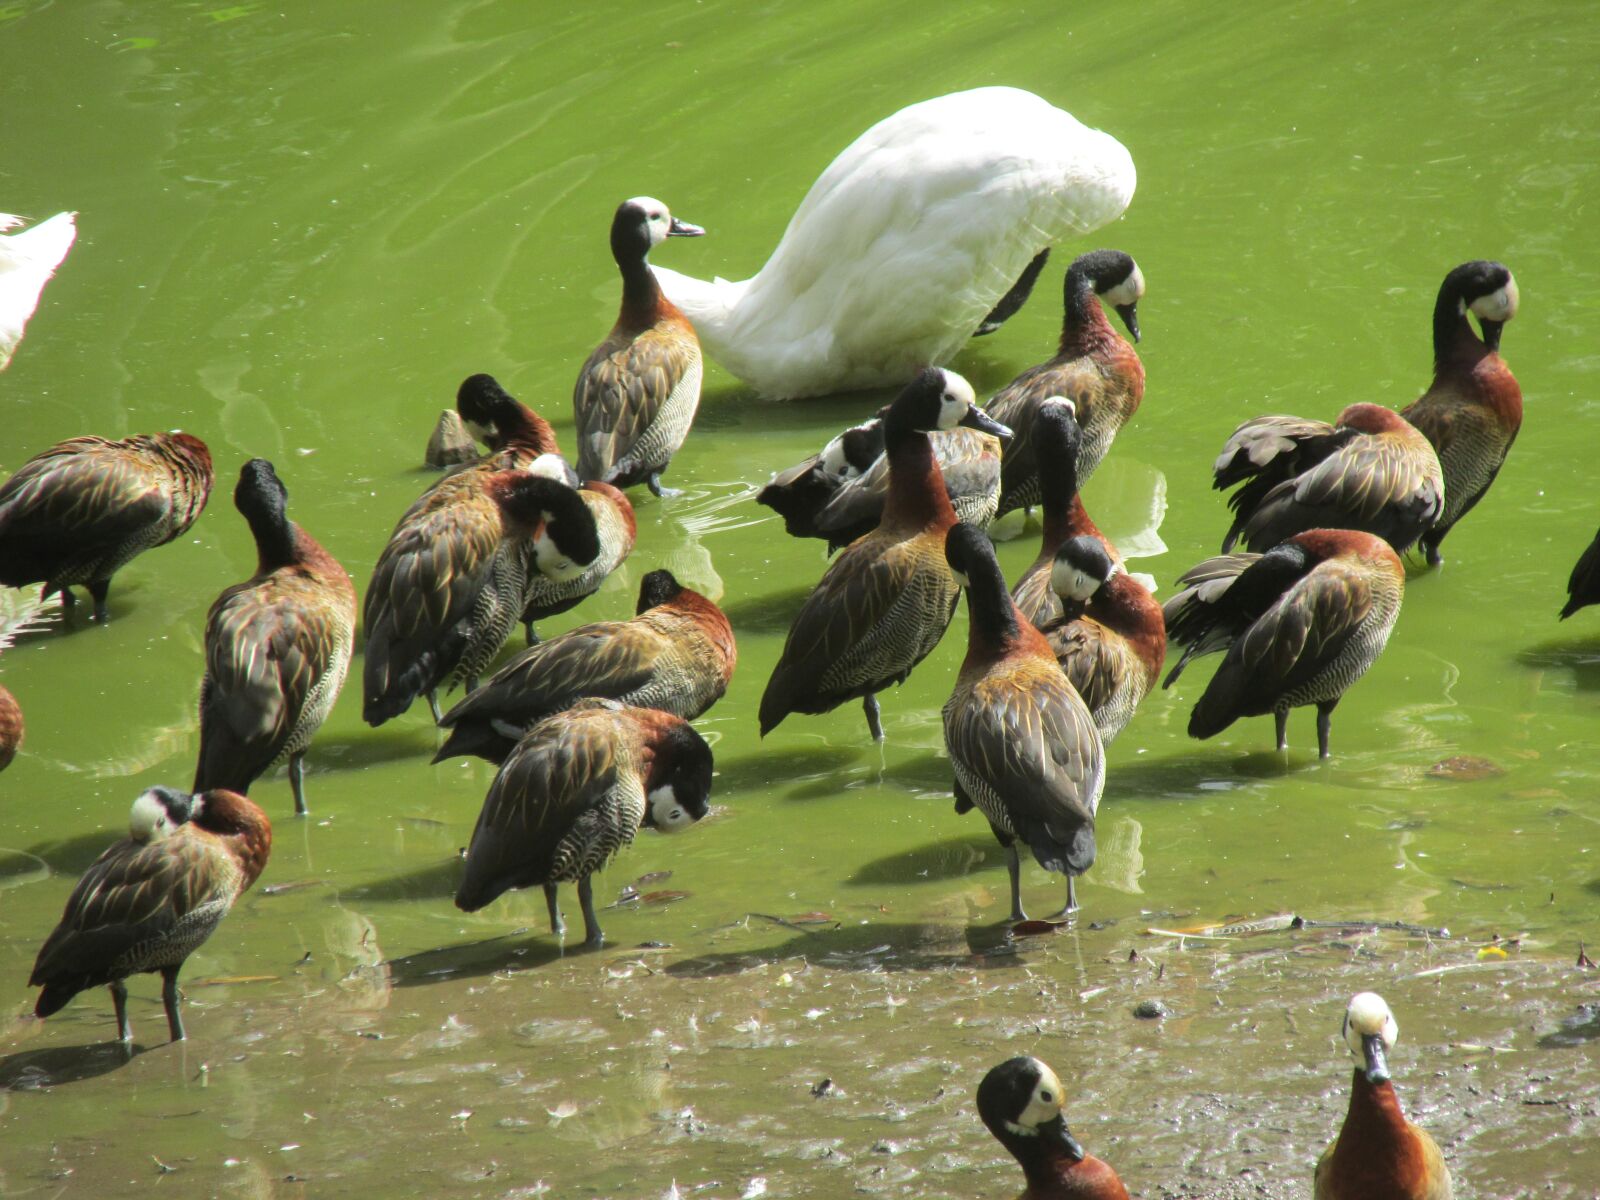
(1093, 661)
(1015, 405)
(624, 388)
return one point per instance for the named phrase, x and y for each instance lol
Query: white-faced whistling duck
(450, 584)
(150, 900)
(77, 513)
(574, 792)
(1057, 436)
(885, 602)
(551, 591)
(1022, 743)
(277, 648)
(1020, 1101)
(1378, 1155)
(1094, 368)
(677, 655)
(1110, 639)
(1583, 585)
(513, 432)
(1473, 409)
(1300, 624)
(637, 394)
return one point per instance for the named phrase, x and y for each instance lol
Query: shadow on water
(877, 947)
(772, 612)
(32, 1070)
(519, 950)
(770, 768)
(371, 747)
(1579, 656)
(1189, 775)
(437, 881)
(70, 856)
(948, 859)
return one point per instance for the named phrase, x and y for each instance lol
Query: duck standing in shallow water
(907, 240)
(636, 396)
(1094, 368)
(79, 512)
(1473, 409)
(885, 602)
(575, 791)
(1020, 1102)
(1300, 624)
(1022, 743)
(1378, 1155)
(149, 901)
(277, 648)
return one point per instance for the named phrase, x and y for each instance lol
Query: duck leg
(1282, 718)
(169, 998)
(1430, 548)
(1324, 724)
(297, 782)
(99, 588)
(591, 923)
(433, 706)
(656, 490)
(119, 1001)
(68, 600)
(1014, 867)
(874, 716)
(557, 925)
(1072, 900)
(529, 635)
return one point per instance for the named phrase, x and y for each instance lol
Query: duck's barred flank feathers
(616, 530)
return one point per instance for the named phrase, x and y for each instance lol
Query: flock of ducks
(591, 729)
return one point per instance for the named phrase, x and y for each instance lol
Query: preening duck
(1094, 368)
(1111, 637)
(1473, 409)
(277, 648)
(1378, 1155)
(636, 396)
(1300, 624)
(1020, 1101)
(1371, 471)
(677, 655)
(150, 900)
(885, 602)
(79, 512)
(907, 240)
(513, 432)
(574, 792)
(1583, 585)
(1022, 743)
(551, 588)
(27, 261)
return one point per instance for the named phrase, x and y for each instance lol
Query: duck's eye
(1046, 1097)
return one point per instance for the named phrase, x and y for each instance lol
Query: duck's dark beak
(976, 418)
(1056, 1135)
(1491, 333)
(684, 229)
(1130, 317)
(1377, 1065)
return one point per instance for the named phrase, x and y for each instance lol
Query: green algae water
(302, 226)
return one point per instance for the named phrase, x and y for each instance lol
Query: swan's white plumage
(27, 260)
(906, 242)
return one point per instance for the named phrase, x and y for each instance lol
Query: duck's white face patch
(834, 462)
(1066, 579)
(1129, 290)
(657, 218)
(481, 432)
(550, 466)
(960, 577)
(149, 821)
(552, 561)
(1044, 1105)
(666, 814)
(1061, 402)
(956, 402)
(1500, 305)
(1369, 1015)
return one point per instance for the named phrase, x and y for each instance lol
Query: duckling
(1378, 1155)
(1583, 585)
(636, 396)
(615, 529)
(1111, 637)
(1020, 1102)
(277, 648)
(150, 900)
(80, 511)
(1023, 745)
(27, 262)
(885, 602)
(907, 240)
(1094, 368)
(1058, 436)
(11, 727)
(1300, 624)
(1473, 409)
(677, 655)
(1371, 471)
(450, 584)
(574, 792)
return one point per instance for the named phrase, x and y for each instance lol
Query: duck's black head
(969, 551)
(643, 223)
(680, 792)
(1020, 1102)
(1056, 431)
(854, 450)
(565, 536)
(938, 399)
(657, 587)
(1081, 567)
(483, 405)
(157, 812)
(260, 494)
(1115, 278)
(1482, 287)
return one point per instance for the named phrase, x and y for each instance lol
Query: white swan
(27, 260)
(907, 241)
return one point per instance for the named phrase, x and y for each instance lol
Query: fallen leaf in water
(1465, 768)
(1490, 952)
(226, 980)
(811, 918)
(1032, 928)
(667, 896)
(651, 877)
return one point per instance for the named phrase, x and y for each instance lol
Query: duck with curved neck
(1020, 1103)
(501, 421)
(1110, 274)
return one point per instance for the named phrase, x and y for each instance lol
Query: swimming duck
(1300, 624)
(615, 528)
(1057, 436)
(1371, 470)
(150, 900)
(1111, 637)
(1473, 410)
(80, 511)
(838, 495)
(27, 261)
(1378, 1155)
(1020, 1102)
(574, 792)
(885, 602)
(277, 648)
(1022, 743)
(907, 240)
(1583, 585)
(11, 727)
(677, 655)
(1093, 367)
(636, 396)
(451, 582)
